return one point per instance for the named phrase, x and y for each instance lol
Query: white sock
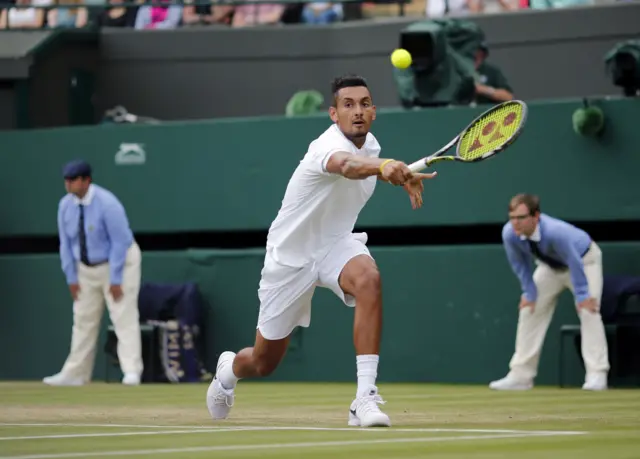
(367, 372)
(226, 376)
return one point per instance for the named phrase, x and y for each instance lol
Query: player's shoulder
(330, 139)
(333, 139)
(372, 145)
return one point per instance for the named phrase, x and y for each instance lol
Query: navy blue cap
(76, 168)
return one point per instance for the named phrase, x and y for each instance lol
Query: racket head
(492, 131)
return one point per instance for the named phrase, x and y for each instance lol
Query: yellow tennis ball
(401, 58)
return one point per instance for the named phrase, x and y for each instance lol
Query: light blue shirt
(106, 226)
(557, 239)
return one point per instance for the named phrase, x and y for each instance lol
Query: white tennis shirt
(320, 208)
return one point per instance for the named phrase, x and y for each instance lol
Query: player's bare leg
(261, 359)
(257, 361)
(360, 278)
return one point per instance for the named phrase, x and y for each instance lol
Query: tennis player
(311, 243)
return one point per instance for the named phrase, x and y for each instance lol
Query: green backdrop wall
(231, 174)
(450, 313)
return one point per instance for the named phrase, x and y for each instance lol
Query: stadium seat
(620, 310)
(171, 320)
(149, 354)
(611, 331)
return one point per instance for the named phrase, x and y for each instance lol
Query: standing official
(101, 261)
(566, 258)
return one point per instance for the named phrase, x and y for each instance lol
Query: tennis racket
(489, 134)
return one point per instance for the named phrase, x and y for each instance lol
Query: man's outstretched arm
(359, 167)
(353, 166)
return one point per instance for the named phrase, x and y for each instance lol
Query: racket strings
(491, 131)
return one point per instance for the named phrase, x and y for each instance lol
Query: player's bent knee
(367, 283)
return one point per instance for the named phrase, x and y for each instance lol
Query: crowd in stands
(169, 14)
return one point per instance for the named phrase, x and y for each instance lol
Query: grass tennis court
(308, 420)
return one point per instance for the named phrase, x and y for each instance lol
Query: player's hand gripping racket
(490, 133)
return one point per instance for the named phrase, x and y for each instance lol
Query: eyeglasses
(519, 217)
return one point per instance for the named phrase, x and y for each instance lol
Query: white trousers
(533, 325)
(88, 309)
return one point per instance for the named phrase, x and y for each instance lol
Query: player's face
(354, 112)
(522, 221)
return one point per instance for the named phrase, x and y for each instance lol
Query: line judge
(101, 262)
(566, 257)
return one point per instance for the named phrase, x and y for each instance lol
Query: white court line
(269, 428)
(202, 449)
(415, 430)
(113, 434)
(127, 426)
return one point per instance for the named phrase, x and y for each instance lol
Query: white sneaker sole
(510, 386)
(381, 421)
(67, 383)
(594, 388)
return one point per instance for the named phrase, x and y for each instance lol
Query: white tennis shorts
(285, 292)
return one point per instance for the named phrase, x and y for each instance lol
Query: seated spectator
(440, 8)
(257, 14)
(322, 13)
(3, 9)
(159, 15)
(71, 15)
(23, 15)
(547, 4)
(206, 14)
(492, 86)
(116, 15)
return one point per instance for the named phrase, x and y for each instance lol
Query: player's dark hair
(346, 81)
(530, 200)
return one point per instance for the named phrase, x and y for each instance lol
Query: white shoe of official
(364, 411)
(61, 380)
(219, 399)
(131, 379)
(596, 382)
(510, 383)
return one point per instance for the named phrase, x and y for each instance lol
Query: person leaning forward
(566, 258)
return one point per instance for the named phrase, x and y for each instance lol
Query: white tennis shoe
(364, 410)
(60, 379)
(219, 399)
(596, 382)
(510, 383)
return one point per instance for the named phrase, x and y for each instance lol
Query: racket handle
(418, 165)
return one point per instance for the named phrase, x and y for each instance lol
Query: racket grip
(418, 166)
